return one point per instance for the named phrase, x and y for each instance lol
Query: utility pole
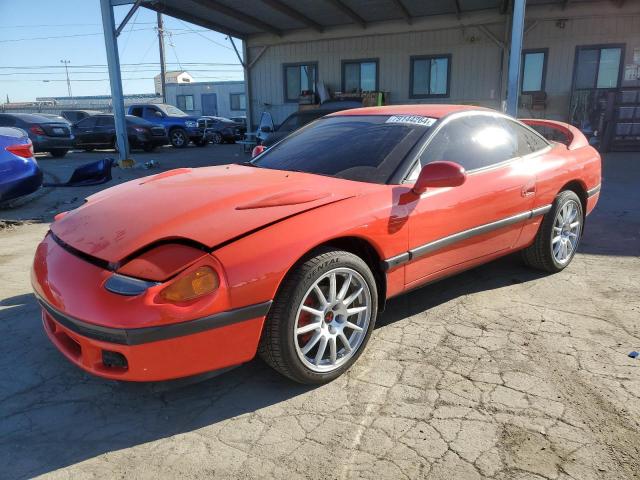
(66, 69)
(162, 66)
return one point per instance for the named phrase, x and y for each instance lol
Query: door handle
(529, 189)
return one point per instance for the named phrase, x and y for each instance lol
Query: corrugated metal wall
(476, 61)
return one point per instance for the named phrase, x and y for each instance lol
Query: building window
(598, 66)
(534, 70)
(299, 78)
(430, 76)
(185, 102)
(238, 101)
(360, 75)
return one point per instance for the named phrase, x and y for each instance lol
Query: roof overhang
(280, 18)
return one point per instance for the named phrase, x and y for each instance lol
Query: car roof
(429, 110)
(30, 117)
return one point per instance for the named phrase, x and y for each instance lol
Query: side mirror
(266, 129)
(439, 175)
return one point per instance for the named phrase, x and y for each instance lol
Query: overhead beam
(491, 36)
(348, 12)
(238, 15)
(405, 13)
(127, 17)
(295, 14)
(458, 9)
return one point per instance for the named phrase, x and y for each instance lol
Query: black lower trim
(441, 243)
(138, 336)
(592, 191)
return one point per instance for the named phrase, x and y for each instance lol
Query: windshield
(365, 148)
(172, 111)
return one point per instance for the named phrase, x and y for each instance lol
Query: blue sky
(30, 34)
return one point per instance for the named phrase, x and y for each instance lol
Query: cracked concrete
(498, 373)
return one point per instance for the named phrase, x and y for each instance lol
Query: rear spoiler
(574, 137)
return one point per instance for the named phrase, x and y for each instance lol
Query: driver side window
(473, 141)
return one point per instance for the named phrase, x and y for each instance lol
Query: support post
(115, 80)
(247, 86)
(515, 55)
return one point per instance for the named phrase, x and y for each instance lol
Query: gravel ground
(499, 373)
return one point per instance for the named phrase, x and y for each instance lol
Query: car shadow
(53, 415)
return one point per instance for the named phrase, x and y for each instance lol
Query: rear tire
(217, 138)
(341, 333)
(559, 235)
(58, 152)
(179, 138)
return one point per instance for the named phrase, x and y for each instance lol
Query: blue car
(20, 174)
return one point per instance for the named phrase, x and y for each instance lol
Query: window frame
(284, 78)
(184, 96)
(239, 109)
(360, 61)
(599, 47)
(412, 60)
(543, 81)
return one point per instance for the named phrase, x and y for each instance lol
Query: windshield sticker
(412, 119)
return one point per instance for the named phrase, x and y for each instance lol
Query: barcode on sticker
(412, 119)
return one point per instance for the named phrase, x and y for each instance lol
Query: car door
(84, 131)
(105, 131)
(452, 226)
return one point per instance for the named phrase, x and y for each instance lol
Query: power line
(102, 65)
(105, 79)
(102, 72)
(63, 25)
(197, 32)
(75, 35)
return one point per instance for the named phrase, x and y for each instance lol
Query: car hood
(211, 206)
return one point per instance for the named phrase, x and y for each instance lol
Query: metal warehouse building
(579, 60)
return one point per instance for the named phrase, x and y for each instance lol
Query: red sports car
(294, 254)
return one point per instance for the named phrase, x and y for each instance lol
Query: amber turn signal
(200, 282)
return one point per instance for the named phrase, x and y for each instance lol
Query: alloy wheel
(332, 320)
(177, 139)
(566, 232)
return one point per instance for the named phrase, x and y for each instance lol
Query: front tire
(217, 138)
(58, 152)
(559, 235)
(321, 319)
(179, 138)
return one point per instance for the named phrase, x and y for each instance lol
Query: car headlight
(190, 123)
